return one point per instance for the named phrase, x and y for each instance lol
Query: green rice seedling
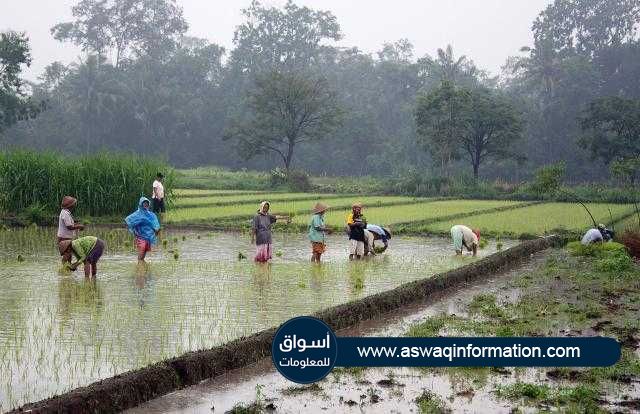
(279, 253)
(184, 238)
(20, 258)
(176, 255)
(165, 242)
(241, 256)
(483, 243)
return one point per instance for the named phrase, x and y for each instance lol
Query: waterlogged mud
(382, 390)
(501, 390)
(59, 331)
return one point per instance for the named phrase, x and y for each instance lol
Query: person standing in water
(261, 232)
(67, 227)
(144, 225)
(464, 236)
(356, 225)
(317, 231)
(157, 196)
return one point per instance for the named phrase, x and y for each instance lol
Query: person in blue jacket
(144, 225)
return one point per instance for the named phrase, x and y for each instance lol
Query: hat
(387, 230)
(358, 205)
(63, 246)
(601, 226)
(68, 201)
(320, 207)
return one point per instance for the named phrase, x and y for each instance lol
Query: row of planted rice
(413, 212)
(539, 219)
(243, 208)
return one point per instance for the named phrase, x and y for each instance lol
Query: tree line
(287, 95)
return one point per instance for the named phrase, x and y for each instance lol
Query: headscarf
(68, 202)
(477, 233)
(143, 223)
(261, 209)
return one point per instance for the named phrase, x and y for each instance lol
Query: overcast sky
(488, 31)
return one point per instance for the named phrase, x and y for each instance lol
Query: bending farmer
(464, 236)
(87, 250)
(601, 234)
(377, 233)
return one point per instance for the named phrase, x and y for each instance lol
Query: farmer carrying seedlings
(356, 227)
(377, 233)
(87, 250)
(317, 231)
(67, 227)
(464, 236)
(144, 225)
(261, 231)
(602, 233)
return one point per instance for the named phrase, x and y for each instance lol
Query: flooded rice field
(59, 331)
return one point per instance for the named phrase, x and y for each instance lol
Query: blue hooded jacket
(143, 223)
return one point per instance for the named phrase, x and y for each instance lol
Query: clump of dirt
(631, 240)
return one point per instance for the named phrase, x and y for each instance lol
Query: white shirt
(158, 190)
(65, 219)
(591, 236)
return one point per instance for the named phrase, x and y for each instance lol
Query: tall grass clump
(104, 184)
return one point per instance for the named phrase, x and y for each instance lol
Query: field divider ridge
(135, 387)
(252, 201)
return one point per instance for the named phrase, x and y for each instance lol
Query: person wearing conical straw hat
(317, 232)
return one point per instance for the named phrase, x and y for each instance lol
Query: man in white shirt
(158, 195)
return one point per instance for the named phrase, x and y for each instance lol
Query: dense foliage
(104, 184)
(144, 86)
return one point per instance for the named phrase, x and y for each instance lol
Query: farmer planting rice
(376, 232)
(317, 231)
(464, 236)
(86, 250)
(356, 226)
(144, 225)
(601, 234)
(67, 227)
(261, 232)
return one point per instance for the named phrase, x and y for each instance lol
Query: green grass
(538, 219)
(211, 213)
(194, 192)
(413, 212)
(255, 198)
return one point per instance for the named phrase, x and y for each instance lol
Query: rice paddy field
(407, 215)
(59, 331)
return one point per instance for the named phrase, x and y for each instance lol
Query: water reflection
(79, 295)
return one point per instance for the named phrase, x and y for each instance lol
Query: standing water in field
(59, 331)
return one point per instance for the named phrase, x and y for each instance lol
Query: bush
(599, 250)
(36, 214)
(104, 184)
(294, 180)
